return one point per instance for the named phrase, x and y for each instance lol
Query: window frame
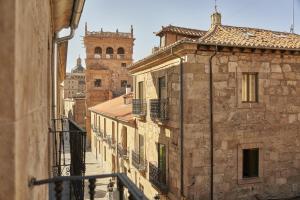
(100, 83)
(244, 180)
(248, 87)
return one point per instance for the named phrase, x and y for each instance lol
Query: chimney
(215, 19)
(128, 89)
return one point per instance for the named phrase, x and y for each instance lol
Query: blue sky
(147, 16)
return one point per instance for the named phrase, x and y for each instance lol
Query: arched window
(98, 52)
(121, 50)
(121, 53)
(109, 52)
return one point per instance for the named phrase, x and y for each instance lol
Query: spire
(131, 30)
(85, 27)
(78, 61)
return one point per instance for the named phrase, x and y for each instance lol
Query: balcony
(120, 56)
(123, 152)
(109, 56)
(69, 140)
(111, 143)
(158, 109)
(138, 161)
(157, 178)
(61, 192)
(94, 128)
(139, 107)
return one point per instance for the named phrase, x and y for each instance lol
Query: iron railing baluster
(92, 187)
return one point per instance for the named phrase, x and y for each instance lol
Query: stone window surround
(258, 179)
(256, 74)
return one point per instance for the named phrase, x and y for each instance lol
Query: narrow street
(95, 167)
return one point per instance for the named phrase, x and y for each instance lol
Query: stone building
(74, 108)
(74, 83)
(115, 141)
(107, 55)
(219, 113)
(29, 89)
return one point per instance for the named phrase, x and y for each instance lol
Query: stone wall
(25, 90)
(272, 125)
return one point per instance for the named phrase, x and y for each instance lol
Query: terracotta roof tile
(115, 108)
(250, 37)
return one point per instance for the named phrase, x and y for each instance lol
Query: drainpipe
(76, 14)
(181, 122)
(211, 127)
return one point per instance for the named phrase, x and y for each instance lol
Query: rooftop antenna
(293, 25)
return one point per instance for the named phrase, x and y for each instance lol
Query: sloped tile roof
(250, 37)
(115, 108)
(182, 31)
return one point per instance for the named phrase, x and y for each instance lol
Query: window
(124, 137)
(162, 92)
(113, 131)
(250, 163)
(123, 64)
(123, 83)
(162, 41)
(141, 90)
(121, 51)
(109, 50)
(250, 87)
(141, 147)
(162, 164)
(97, 83)
(104, 124)
(97, 52)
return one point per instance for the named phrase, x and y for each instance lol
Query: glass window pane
(244, 87)
(252, 87)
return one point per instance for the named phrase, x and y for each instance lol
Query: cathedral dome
(78, 68)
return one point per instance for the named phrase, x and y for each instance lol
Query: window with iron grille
(250, 87)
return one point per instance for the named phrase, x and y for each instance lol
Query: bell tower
(107, 56)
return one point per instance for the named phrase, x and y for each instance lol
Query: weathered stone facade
(270, 124)
(117, 156)
(107, 55)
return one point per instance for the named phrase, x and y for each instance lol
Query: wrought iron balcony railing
(123, 152)
(158, 109)
(100, 133)
(139, 107)
(138, 161)
(157, 177)
(61, 192)
(69, 141)
(94, 128)
(120, 56)
(68, 138)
